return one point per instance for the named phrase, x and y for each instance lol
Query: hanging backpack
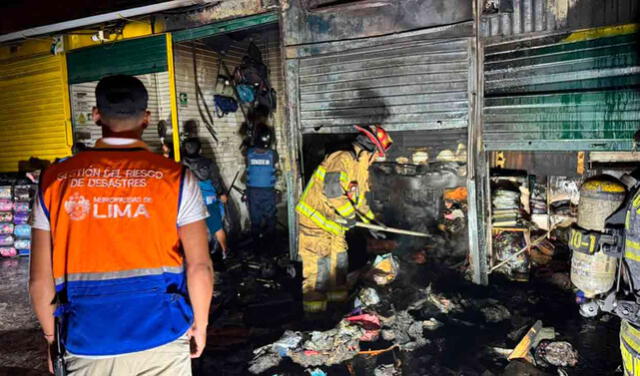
(254, 74)
(246, 93)
(224, 105)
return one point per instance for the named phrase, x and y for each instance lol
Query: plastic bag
(385, 269)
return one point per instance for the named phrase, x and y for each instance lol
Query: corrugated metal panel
(34, 110)
(549, 95)
(405, 84)
(133, 57)
(228, 26)
(554, 15)
(227, 151)
(83, 99)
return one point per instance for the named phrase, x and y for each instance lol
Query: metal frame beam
(476, 160)
(225, 27)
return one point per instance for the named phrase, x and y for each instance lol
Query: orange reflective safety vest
(117, 262)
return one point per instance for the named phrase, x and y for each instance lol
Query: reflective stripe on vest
(320, 220)
(632, 250)
(368, 217)
(630, 348)
(347, 210)
(632, 226)
(261, 171)
(116, 250)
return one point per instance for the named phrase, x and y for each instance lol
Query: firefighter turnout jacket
(337, 190)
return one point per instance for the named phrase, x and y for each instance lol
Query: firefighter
(332, 202)
(623, 241)
(619, 240)
(262, 168)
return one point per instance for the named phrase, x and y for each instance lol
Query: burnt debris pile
(408, 315)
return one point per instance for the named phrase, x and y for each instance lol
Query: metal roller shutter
(34, 110)
(132, 57)
(544, 94)
(405, 83)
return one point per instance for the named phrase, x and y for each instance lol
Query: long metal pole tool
(392, 230)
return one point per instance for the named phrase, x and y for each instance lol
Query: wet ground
(21, 343)
(462, 346)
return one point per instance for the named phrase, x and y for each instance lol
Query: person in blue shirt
(262, 168)
(211, 187)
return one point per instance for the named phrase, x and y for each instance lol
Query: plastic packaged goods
(6, 217)
(6, 228)
(22, 231)
(22, 244)
(6, 205)
(21, 207)
(5, 191)
(8, 252)
(6, 240)
(21, 218)
(22, 193)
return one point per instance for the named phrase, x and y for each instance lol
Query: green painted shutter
(133, 57)
(225, 27)
(543, 94)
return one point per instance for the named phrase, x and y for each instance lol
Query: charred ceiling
(514, 17)
(312, 21)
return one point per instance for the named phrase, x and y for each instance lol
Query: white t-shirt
(191, 209)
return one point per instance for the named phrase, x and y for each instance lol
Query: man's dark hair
(121, 97)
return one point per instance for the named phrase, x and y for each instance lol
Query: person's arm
(336, 186)
(276, 162)
(216, 177)
(199, 270)
(193, 234)
(41, 285)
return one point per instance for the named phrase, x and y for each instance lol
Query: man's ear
(95, 114)
(146, 119)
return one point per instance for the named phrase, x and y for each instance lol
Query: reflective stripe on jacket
(323, 205)
(117, 262)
